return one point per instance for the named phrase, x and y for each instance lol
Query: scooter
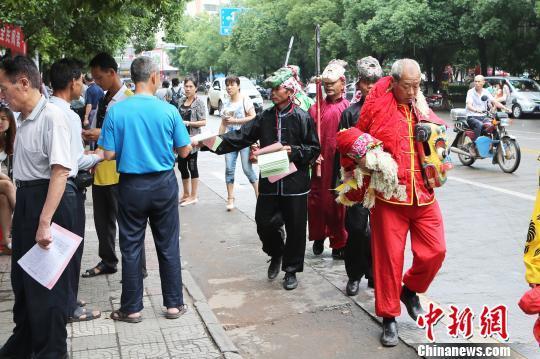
(494, 141)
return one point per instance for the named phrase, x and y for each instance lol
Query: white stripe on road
(493, 188)
(536, 133)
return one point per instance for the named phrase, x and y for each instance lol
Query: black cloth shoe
(273, 268)
(338, 253)
(352, 287)
(412, 302)
(289, 281)
(389, 336)
(318, 247)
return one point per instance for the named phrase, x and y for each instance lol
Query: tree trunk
(428, 62)
(482, 54)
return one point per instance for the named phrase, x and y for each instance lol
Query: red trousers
(390, 224)
(326, 217)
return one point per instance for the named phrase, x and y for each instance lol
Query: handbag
(83, 179)
(252, 149)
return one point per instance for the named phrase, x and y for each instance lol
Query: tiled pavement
(197, 334)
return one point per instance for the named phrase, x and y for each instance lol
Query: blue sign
(228, 17)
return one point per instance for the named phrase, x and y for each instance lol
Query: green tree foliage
(81, 28)
(466, 33)
(503, 32)
(260, 39)
(205, 46)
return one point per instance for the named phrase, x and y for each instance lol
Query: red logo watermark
(492, 321)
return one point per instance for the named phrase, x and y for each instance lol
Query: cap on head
(369, 69)
(334, 71)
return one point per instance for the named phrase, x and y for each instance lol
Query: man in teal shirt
(141, 133)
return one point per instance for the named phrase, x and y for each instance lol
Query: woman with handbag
(193, 112)
(237, 110)
(8, 129)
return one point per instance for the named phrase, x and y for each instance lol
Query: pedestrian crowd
(124, 145)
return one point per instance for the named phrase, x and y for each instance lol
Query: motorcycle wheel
(510, 162)
(463, 144)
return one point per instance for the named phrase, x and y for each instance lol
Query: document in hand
(47, 265)
(292, 169)
(274, 163)
(208, 139)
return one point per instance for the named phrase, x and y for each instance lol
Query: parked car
(524, 94)
(217, 94)
(265, 93)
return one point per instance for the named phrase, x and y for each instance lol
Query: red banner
(12, 37)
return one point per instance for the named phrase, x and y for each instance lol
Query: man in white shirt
(42, 163)
(477, 107)
(66, 82)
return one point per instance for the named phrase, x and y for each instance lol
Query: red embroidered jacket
(393, 124)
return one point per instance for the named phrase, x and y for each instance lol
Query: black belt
(38, 182)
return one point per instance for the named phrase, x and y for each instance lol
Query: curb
(216, 331)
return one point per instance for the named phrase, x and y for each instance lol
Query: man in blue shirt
(93, 95)
(141, 133)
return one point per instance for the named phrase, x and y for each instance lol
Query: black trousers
(40, 314)
(77, 257)
(358, 260)
(105, 201)
(271, 214)
(188, 166)
(149, 198)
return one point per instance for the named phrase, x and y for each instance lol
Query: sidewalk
(223, 252)
(197, 334)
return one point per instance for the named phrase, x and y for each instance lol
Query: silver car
(217, 94)
(524, 94)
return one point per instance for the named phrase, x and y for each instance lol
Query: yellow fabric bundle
(532, 246)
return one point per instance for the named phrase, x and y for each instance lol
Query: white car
(524, 94)
(217, 94)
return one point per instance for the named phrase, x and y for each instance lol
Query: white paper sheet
(47, 265)
(208, 139)
(273, 164)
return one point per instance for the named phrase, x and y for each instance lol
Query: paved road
(195, 335)
(486, 214)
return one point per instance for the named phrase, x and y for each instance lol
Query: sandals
(81, 303)
(102, 268)
(124, 317)
(83, 315)
(182, 309)
(189, 201)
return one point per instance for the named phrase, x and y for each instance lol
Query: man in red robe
(391, 111)
(326, 217)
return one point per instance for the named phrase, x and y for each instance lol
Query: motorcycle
(494, 141)
(435, 100)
